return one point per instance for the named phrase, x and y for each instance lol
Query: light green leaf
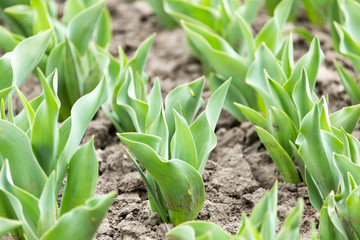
(21, 162)
(82, 222)
(81, 178)
(351, 87)
(82, 26)
(8, 225)
(196, 230)
(44, 134)
(353, 209)
(47, 206)
(280, 157)
(251, 115)
(180, 184)
(182, 144)
(346, 118)
(27, 55)
(81, 114)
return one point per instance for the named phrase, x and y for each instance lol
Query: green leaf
(137, 63)
(351, 87)
(280, 157)
(195, 230)
(186, 100)
(251, 115)
(353, 209)
(265, 66)
(346, 118)
(283, 100)
(23, 204)
(316, 144)
(263, 216)
(82, 26)
(249, 43)
(82, 222)
(103, 31)
(192, 12)
(8, 40)
(21, 162)
(44, 134)
(203, 127)
(27, 55)
(292, 222)
(282, 128)
(47, 206)
(180, 184)
(42, 20)
(8, 225)
(158, 7)
(81, 114)
(302, 96)
(331, 226)
(270, 34)
(181, 140)
(81, 178)
(310, 62)
(6, 73)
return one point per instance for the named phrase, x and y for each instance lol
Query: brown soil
(239, 170)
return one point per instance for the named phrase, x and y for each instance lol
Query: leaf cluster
(30, 179)
(261, 224)
(70, 50)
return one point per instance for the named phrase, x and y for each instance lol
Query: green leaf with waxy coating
(349, 47)
(42, 19)
(282, 128)
(158, 7)
(310, 62)
(81, 114)
(21, 162)
(265, 66)
(252, 116)
(249, 43)
(331, 226)
(23, 205)
(202, 129)
(180, 184)
(216, 52)
(270, 34)
(283, 101)
(345, 167)
(183, 138)
(280, 157)
(350, 84)
(193, 12)
(317, 144)
(81, 223)
(8, 225)
(302, 96)
(186, 100)
(82, 26)
(6, 73)
(81, 178)
(47, 206)
(291, 228)
(137, 63)
(263, 216)
(353, 209)
(27, 55)
(8, 40)
(198, 230)
(103, 31)
(346, 118)
(44, 132)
